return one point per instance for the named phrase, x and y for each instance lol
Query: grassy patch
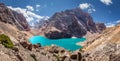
(5, 40)
(57, 57)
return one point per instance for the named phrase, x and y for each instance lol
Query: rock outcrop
(72, 22)
(62, 34)
(9, 16)
(100, 27)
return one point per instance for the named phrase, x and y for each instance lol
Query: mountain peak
(72, 22)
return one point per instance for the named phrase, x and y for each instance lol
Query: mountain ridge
(9, 16)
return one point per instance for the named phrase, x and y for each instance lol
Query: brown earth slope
(106, 47)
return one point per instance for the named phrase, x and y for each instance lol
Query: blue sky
(106, 11)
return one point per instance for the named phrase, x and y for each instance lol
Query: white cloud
(91, 10)
(28, 14)
(110, 24)
(37, 7)
(118, 21)
(84, 5)
(30, 8)
(88, 7)
(107, 2)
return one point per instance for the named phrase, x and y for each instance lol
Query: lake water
(67, 43)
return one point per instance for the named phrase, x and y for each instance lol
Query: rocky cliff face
(70, 23)
(14, 18)
(106, 47)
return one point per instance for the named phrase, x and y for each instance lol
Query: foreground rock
(20, 52)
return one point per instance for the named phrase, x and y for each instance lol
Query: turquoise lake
(67, 43)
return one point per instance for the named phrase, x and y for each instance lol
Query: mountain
(9, 16)
(70, 23)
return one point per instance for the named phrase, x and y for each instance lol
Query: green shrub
(57, 57)
(5, 40)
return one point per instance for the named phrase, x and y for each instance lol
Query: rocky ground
(105, 47)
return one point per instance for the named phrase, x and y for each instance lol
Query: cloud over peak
(30, 16)
(87, 6)
(107, 2)
(84, 5)
(30, 8)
